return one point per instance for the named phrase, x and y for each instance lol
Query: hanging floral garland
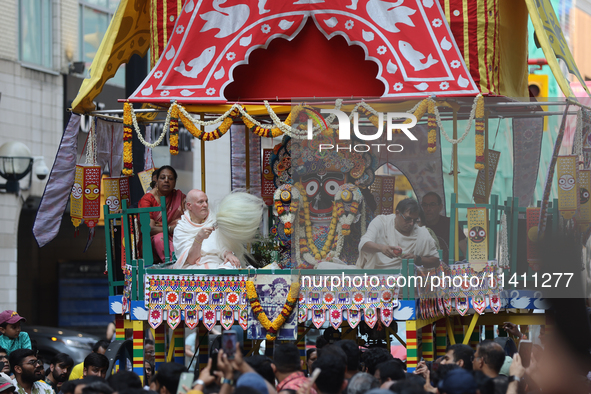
(348, 194)
(174, 130)
(307, 243)
(468, 124)
(209, 136)
(272, 327)
(372, 115)
(479, 139)
(432, 126)
(286, 200)
(127, 140)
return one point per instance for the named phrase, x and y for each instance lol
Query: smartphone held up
(229, 340)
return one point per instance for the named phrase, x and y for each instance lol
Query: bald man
(195, 241)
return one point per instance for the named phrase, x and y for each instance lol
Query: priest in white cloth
(203, 240)
(391, 238)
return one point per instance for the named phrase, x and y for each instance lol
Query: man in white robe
(196, 243)
(391, 238)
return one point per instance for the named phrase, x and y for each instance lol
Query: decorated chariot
(236, 65)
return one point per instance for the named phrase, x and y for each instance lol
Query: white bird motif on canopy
(229, 20)
(198, 64)
(387, 14)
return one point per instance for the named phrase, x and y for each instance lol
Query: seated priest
(196, 243)
(391, 238)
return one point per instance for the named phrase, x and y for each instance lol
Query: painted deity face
(113, 203)
(566, 182)
(92, 192)
(584, 195)
(321, 190)
(477, 234)
(77, 191)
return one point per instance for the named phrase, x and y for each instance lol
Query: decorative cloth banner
(353, 317)
(533, 219)
(349, 294)
(59, 185)
(527, 144)
(174, 318)
(466, 282)
(191, 319)
(476, 30)
(477, 235)
(568, 191)
(584, 184)
(85, 202)
(267, 184)
(109, 144)
(382, 189)
(238, 144)
(164, 16)
(586, 118)
(227, 319)
(549, 176)
(116, 191)
(155, 318)
(423, 171)
(195, 292)
(370, 316)
(481, 194)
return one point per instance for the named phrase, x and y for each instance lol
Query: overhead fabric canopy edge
(128, 34)
(553, 43)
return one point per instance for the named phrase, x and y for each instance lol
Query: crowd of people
(334, 366)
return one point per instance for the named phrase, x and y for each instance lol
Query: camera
(41, 170)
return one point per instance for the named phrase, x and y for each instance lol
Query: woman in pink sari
(175, 205)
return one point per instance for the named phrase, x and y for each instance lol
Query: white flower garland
(289, 130)
(286, 129)
(468, 126)
(139, 133)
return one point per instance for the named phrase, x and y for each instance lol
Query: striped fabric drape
(164, 15)
(475, 26)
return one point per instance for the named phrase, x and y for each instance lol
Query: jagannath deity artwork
(322, 203)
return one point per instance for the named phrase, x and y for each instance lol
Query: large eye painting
(312, 188)
(477, 234)
(331, 187)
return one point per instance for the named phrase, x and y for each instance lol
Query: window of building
(95, 17)
(35, 32)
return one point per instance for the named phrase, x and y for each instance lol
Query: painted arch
(409, 40)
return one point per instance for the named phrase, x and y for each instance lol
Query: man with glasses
(28, 373)
(391, 238)
(432, 205)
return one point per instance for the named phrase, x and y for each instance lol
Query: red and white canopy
(409, 40)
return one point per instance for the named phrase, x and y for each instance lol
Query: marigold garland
(479, 139)
(432, 126)
(307, 243)
(212, 135)
(174, 131)
(127, 140)
(272, 327)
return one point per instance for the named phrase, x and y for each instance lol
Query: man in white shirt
(391, 238)
(195, 241)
